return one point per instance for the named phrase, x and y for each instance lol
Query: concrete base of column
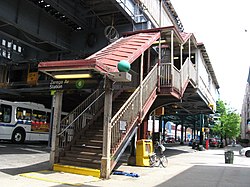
(105, 168)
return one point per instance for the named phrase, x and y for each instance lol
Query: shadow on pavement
(31, 168)
(172, 152)
(26, 148)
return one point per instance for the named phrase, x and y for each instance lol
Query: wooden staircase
(80, 138)
(86, 151)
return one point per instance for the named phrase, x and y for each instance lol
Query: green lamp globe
(123, 66)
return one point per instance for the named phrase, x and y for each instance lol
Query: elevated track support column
(182, 130)
(201, 128)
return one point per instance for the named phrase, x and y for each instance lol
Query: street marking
(60, 177)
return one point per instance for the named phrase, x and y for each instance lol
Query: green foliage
(221, 107)
(229, 125)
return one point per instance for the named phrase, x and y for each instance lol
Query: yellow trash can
(144, 148)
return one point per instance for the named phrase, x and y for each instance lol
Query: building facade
(245, 113)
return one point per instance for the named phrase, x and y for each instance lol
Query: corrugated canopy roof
(126, 48)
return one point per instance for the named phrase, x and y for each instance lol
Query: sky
(223, 26)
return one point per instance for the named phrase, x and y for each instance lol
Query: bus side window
(19, 115)
(27, 114)
(23, 113)
(39, 116)
(5, 113)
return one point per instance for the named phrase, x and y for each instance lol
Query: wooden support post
(141, 86)
(181, 74)
(189, 49)
(172, 56)
(105, 161)
(56, 113)
(148, 61)
(159, 67)
(189, 56)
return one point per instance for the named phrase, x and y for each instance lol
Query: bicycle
(156, 160)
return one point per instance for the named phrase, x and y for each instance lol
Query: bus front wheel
(18, 136)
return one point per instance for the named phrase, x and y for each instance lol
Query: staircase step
(77, 170)
(92, 149)
(99, 146)
(80, 163)
(82, 159)
(96, 128)
(83, 153)
(98, 123)
(89, 143)
(88, 138)
(93, 133)
(86, 155)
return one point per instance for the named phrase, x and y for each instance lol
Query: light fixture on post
(72, 75)
(122, 76)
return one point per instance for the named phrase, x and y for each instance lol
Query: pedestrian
(233, 143)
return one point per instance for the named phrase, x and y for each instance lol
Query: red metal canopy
(126, 48)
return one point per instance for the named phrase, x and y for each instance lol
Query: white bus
(20, 121)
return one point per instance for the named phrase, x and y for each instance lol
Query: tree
(229, 126)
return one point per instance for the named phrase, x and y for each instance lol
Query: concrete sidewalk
(195, 168)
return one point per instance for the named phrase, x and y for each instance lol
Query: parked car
(170, 140)
(245, 151)
(219, 141)
(194, 141)
(213, 142)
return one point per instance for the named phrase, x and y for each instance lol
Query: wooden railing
(124, 120)
(177, 79)
(176, 82)
(170, 76)
(165, 74)
(184, 73)
(188, 73)
(76, 120)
